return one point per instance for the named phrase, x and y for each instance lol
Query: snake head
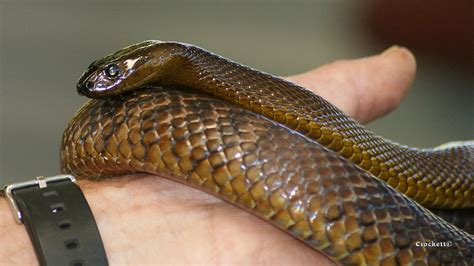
(118, 72)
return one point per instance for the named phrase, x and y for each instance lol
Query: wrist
(50, 216)
(16, 245)
(145, 219)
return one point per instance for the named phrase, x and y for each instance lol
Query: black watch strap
(58, 220)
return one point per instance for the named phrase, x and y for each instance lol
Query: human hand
(144, 219)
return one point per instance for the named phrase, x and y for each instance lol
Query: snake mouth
(85, 84)
(87, 88)
(91, 85)
(81, 90)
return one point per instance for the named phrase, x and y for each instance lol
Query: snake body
(273, 149)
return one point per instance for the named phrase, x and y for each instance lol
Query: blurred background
(45, 46)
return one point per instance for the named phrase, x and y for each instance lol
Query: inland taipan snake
(274, 149)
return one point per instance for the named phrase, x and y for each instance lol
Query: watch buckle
(40, 181)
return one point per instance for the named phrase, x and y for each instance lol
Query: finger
(365, 88)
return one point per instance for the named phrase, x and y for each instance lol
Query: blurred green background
(45, 46)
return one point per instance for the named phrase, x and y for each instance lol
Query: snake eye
(112, 70)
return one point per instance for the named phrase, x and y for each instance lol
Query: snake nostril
(89, 85)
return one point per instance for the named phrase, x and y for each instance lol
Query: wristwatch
(58, 220)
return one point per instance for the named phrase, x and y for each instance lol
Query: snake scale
(274, 149)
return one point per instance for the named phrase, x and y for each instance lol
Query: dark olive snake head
(119, 72)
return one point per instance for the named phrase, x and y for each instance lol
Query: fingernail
(391, 49)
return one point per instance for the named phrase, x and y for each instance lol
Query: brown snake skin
(304, 188)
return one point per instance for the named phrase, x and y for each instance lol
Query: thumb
(365, 88)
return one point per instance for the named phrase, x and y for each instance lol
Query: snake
(274, 149)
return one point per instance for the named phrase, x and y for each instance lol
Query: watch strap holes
(71, 244)
(57, 207)
(65, 224)
(51, 193)
(77, 263)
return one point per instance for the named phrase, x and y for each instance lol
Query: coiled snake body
(273, 149)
